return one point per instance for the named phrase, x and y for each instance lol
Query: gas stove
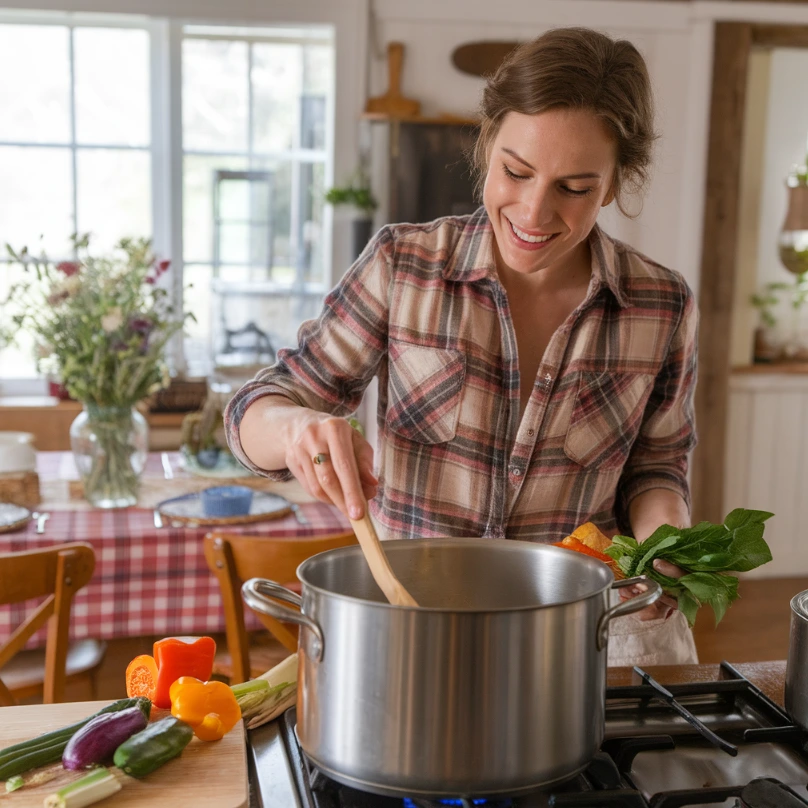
(721, 743)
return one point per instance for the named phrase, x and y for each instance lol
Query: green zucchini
(153, 746)
(48, 748)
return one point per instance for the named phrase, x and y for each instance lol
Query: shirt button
(531, 432)
(517, 472)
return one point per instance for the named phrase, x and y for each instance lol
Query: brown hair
(582, 69)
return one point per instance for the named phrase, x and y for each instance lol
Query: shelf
(446, 119)
(771, 368)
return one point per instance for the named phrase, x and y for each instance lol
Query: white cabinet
(767, 462)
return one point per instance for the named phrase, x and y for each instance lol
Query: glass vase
(109, 446)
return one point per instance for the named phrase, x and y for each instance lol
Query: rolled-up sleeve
(337, 354)
(659, 457)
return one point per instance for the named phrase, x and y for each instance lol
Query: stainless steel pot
(496, 684)
(796, 700)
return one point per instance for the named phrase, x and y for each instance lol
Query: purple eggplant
(97, 740)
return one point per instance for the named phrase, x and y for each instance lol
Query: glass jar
(109, 446)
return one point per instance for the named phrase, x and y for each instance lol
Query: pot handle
(627, 606)
(257, 593)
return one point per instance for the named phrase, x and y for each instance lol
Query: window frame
(349, 22)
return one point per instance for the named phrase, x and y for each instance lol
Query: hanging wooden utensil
(380, 567)
(481, 58)
(393, 103)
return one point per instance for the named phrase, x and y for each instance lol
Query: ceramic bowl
(227, 500)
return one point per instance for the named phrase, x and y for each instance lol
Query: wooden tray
(206, 775)
(187, 510)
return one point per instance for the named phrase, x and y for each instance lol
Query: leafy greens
(706, 551)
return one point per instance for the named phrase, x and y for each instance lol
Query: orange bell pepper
(571, 543)
(209, 708)
(141, 677)
(173, 657)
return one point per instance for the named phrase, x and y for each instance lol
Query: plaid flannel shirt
(609, 417)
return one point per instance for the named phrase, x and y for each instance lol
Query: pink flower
(69, 267)
(163, 266)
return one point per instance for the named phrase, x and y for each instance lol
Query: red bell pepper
(173, 657)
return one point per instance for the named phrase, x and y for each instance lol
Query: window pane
(112, 86)
(197, 203)
(276, 77)
(114, 195)
(214, 95)
(16, 360)
(196, 299)
(35, 103)
(36, 199)
(317, 83)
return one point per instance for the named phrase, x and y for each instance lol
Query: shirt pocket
(424, 391)
(606, 418)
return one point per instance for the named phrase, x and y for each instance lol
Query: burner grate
(678, 730)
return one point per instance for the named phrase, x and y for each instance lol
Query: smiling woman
(534, 372)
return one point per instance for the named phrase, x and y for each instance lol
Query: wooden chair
(55, 573)
(235, 558)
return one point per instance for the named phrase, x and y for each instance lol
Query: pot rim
(513, 545)
(799, 605)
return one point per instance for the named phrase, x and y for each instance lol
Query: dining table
(150, 574)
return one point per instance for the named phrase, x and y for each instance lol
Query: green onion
(264, 698)
(13, 783)
(92, 788)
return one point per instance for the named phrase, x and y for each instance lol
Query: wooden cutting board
(206, 774)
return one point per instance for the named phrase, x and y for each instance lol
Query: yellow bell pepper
(209, 708)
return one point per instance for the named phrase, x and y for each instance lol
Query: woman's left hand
(666, 605)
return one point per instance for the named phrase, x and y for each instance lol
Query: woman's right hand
(343, 474)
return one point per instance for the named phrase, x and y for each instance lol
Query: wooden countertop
(768, 676)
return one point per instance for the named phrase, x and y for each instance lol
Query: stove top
(721, 743)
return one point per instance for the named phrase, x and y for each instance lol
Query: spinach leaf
(706, 551)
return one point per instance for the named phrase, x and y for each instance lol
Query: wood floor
(755, 628)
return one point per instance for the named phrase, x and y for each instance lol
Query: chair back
(234, 558)
(55, 574)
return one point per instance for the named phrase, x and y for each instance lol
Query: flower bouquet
(101, 323)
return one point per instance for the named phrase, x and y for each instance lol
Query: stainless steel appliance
(796, 693)
(655, 755)
(494, 684)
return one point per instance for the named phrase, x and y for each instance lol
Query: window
(87, 141)
(255, 112)
(75, 144)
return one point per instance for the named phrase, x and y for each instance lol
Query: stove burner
(460, 801)
(663, 749)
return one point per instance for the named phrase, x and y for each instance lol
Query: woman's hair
(582, 69)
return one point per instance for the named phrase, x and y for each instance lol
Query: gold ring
(319, 458)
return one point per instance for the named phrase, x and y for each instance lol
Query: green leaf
(748, 548)
(654, 552)
(688, 606)
(740, 517)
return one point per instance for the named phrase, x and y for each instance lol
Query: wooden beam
(733, 42)
(780, 36)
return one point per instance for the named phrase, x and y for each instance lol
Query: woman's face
(548, 176)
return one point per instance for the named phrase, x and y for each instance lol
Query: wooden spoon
(380, 567)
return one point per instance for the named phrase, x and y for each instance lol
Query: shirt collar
(605, 271)
(473, 256)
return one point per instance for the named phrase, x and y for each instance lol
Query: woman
(534, 373)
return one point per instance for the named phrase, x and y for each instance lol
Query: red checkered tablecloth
(147, 580)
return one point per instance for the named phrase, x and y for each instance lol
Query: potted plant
(358, 195)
